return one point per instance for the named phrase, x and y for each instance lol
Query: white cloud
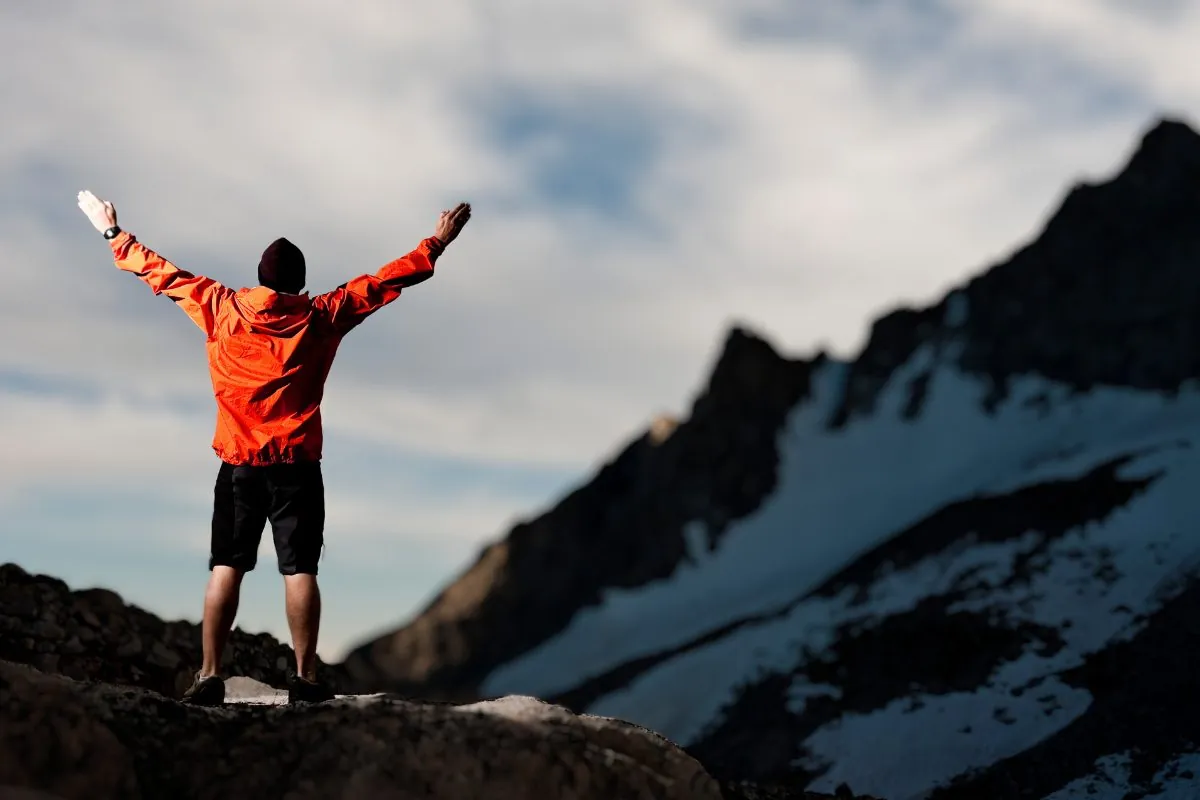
(799, 173)
(1119, 41)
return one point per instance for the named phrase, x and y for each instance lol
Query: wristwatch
(112, 232)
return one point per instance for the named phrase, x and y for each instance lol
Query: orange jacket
(269, 353)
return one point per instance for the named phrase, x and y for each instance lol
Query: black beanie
(282, 267)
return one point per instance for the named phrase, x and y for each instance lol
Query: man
(270, 349)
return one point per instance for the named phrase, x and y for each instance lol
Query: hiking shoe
(305, 691)
(208, 691)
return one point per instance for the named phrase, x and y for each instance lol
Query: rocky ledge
(66, 739)
(93, 634)
(86, 711)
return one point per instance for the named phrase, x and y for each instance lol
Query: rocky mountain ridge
(77, 740)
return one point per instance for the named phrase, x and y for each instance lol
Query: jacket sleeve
(199, 297)
(354, 301)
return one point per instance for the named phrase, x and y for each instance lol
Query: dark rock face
(624, 528)
(93, 635)
(96, 741)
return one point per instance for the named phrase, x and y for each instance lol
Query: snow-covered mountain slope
(1016, 562)
(963, 565)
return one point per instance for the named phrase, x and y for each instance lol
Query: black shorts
(291, 496)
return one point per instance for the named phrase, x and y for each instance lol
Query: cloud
(643, 175)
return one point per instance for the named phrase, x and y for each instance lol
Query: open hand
(451, 222)
(100, 213)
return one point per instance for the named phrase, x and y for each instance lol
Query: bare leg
(220, 610)
(304, 618)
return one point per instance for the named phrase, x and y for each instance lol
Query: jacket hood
(268, 311)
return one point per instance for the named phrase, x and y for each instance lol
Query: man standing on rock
(270, 349)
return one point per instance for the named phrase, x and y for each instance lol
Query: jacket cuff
(120, 240)
(434, 246)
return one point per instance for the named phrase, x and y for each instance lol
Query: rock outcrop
(104, 729)
(92, 634)
(96, 741)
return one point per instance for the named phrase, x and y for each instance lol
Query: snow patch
(1127, 565)
(1178, 780)
(1110, 781)
(1113, 780)
(875, 752)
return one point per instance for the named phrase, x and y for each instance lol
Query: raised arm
(198, 296)
(352, 302)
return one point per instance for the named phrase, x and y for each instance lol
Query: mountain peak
(1164, 146)
(1107, 293)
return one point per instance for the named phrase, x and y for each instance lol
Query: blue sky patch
(586, 151)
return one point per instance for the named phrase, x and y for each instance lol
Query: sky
(643, 175)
